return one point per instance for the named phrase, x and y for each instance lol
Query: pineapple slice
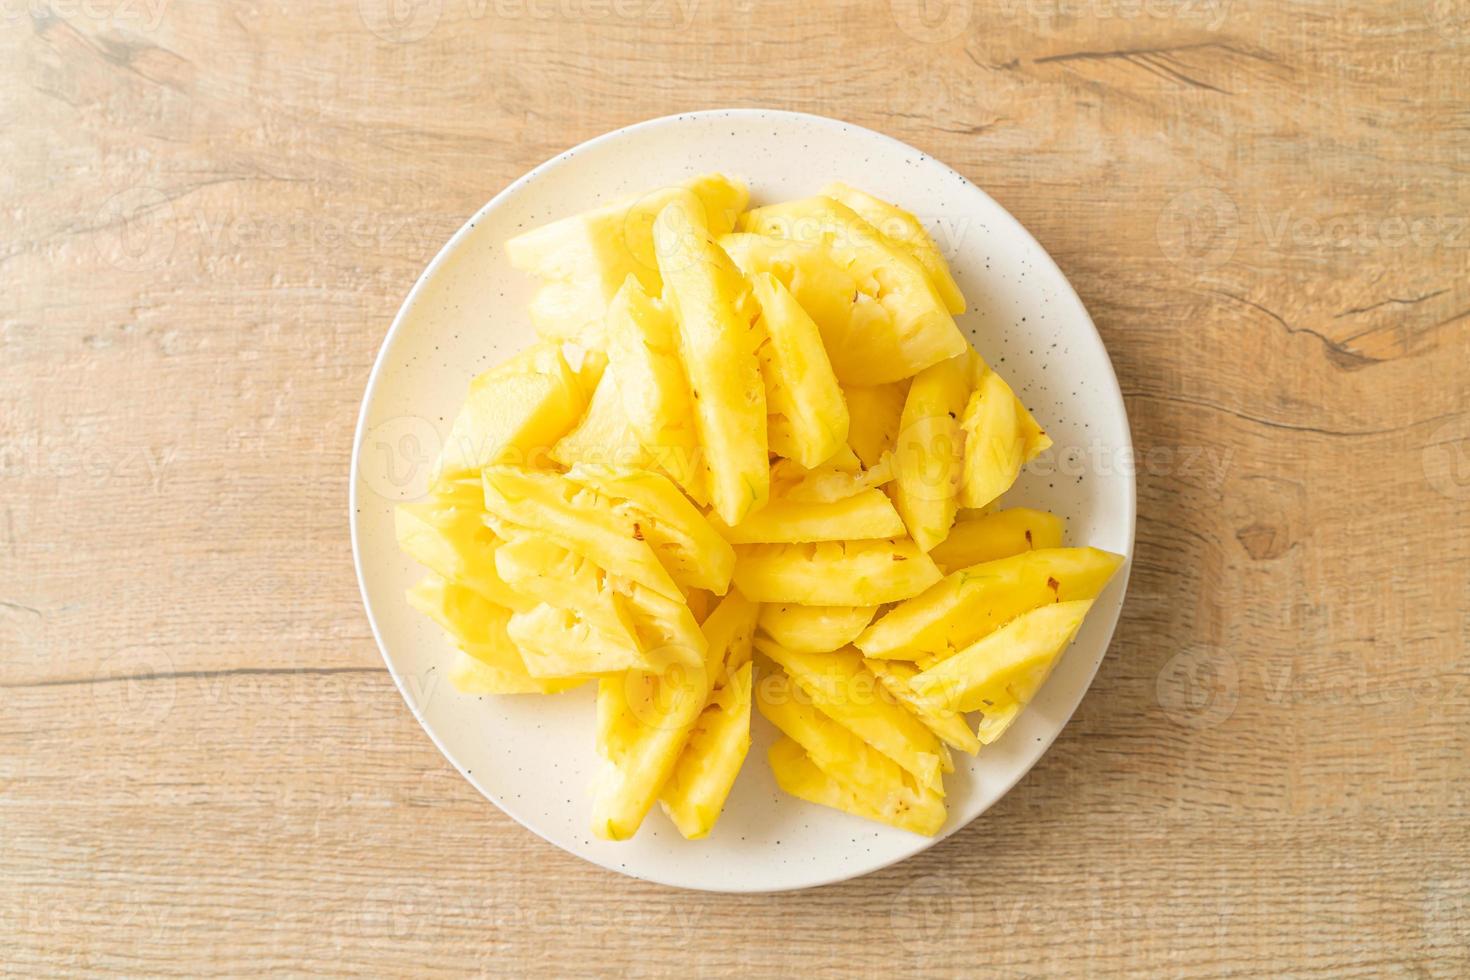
(950, 726)
(558, 642)
(702, 778)
(605, 436)
(718, 339)
(446, 534)
(903, 230)
(979, 675)
(643, 355)
(585, 259)
(840, 687)
(548, 573)
(691, 549)
(1000, 437)
(899, 323)
(646, 720)
(1006, 705)
(998, 534)
(880, 784)
(876, 418)
(479, 629)
(798, 775)
(822, 287)
(868, 514)
(834, 573)
(815, 628)
(974, 601)
(578, 519)
(838, 478)
(808, 415)
(514, 413)
(929, 454)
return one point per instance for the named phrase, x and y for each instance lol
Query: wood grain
(210, 214)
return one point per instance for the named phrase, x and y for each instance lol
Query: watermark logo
(1199, 687)
(400, 21)
(138, 229)
(1199, 228)
(932, 912)
(396, 458)
(1451, 18)
(1446, 459)
(134, 689)
(932, 21)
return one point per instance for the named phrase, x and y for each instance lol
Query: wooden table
(210, 213)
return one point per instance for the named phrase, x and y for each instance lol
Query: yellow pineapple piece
(689, 546)
(446, 534)
(867, 514)
(979, 675)
(648, 719)
(583, 260)
(514, 412)
(839, 478)
(876, 417)
(578, 519)
(718, 338)
(1000, 437)
(643, 354)
(834, 573)
(930, 453)
(902, 229)
(950, 726)
(557, 642)
(706, 770)
(814, 628)
(808, 415)
(479, 628)
(604, 437)
(999, 534)
(798, 775)
(822, 287)
(881, 785)
(840, 687)
(974, 601)
(899, 323)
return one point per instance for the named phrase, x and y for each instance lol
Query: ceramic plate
(534, 756)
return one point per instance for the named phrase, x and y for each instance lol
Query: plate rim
(452, 245)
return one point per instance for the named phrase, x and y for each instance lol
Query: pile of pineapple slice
(751, 462)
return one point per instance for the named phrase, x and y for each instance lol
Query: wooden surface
(211, 211)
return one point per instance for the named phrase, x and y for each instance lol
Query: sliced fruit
(691, 549)
(974, 601)
(832, 573)
(643, 357)
(706, 770)
(478, 628)
(840, 687)
(470, 675)
(604, 436)
(578, 519)
(822, 287)
(979, 675)
(1000, 436)
(903, 230)
(718, 339)
(838, 478)
(546, 572)
(584, 259)
(514, 413)
(950, 726)
(999, 534)
(1008, 704)
(879, 784)
(867, 514)
(798, 775)
(807, 413)
(876, 415)
(929, 454)
(446, 534)
(558, 642)
(899, 323)
(649, 718)
(815, 628)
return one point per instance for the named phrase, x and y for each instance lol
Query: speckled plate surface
(534, 756)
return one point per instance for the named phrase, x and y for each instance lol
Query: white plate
(533, 756)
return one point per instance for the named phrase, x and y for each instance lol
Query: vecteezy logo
(932, 21)
(1199, 228)
(400, 21)
(136, 229)
(1446, 459)
(1198, 688)
(396, 457)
